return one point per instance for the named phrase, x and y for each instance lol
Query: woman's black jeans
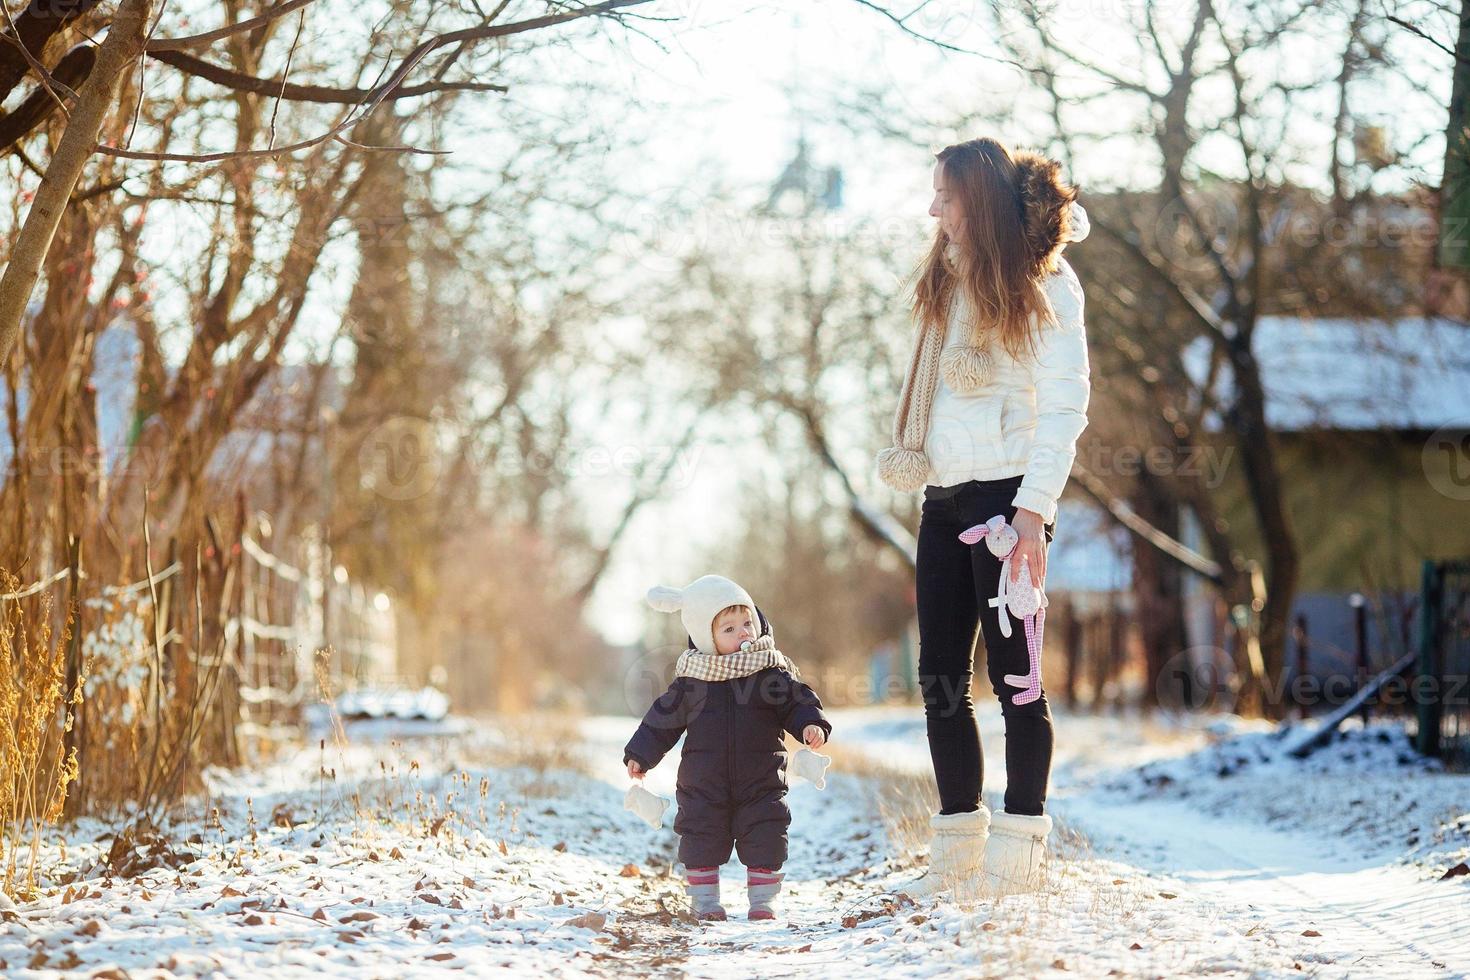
(954, 581)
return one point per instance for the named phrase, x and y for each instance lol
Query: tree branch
(240, 82)
(209, 37)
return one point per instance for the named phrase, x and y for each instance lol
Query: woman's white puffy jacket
(1028, 418)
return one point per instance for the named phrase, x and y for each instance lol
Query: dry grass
(542, 743)
(1006, 933)
(36, 712)
(904, 800)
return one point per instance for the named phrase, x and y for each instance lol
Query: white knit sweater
(1029, 417)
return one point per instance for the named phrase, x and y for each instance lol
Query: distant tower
(814, 188)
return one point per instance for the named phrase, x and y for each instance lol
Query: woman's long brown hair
(1014, 217)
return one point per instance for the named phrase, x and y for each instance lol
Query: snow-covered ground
(504, 849)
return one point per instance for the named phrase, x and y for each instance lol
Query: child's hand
(635, 771)
(814, 736)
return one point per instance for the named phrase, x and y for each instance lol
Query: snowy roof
(1355, 374)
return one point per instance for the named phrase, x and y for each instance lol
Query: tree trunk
(1157, 590)
(123, 44)
(1454, 200)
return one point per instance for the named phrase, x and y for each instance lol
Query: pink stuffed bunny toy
(1024, 601)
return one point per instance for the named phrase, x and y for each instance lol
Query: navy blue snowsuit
(732, 776)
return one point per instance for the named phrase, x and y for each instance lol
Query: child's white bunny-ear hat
(698, 603)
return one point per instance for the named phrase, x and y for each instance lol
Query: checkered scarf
(742, 663)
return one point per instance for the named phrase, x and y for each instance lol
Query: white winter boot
(1014, 856)
(956, 855)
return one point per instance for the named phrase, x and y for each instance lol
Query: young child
(734, 706)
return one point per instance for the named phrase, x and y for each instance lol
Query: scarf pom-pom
(966, 369)
(903, 469)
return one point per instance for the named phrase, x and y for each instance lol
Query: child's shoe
(763, 885)
(703, 885)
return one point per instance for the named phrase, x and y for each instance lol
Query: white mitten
(808, 765)
(648, 806)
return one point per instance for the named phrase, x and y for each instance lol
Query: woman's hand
(1031, 546)
(635, 771)
(813, 736)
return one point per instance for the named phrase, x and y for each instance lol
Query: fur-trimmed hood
(1051, 217)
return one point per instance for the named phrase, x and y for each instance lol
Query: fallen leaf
(1457, 871)
(503, 848)
(363, 916)
(230, 893)
(560, 847)
(988, 927)
(588, 920)
(1135, 946)
(91, 928)
(320, 915)
(254, 920)
(630, 871)
(1310, 932)
(1167, 895)
(431, 898)
(396, 854)
(440, 956)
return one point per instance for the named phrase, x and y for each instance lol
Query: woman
(987, 424)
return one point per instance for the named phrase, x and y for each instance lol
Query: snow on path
(1098, 918)
(486, 850)
(1369, 916)
(1372, 911)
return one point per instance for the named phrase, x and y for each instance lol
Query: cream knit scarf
(965, 368)
(714, 667)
